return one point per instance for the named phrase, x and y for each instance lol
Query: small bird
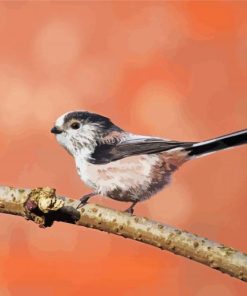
(124, 166)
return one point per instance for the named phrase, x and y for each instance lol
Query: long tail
(220, 143)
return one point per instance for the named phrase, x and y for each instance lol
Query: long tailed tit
(124, 166)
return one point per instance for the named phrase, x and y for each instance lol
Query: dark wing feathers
(105, 153)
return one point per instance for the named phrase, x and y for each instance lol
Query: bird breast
(131, 178)
(130, 172)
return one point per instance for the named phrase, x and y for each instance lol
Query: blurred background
(171, 69)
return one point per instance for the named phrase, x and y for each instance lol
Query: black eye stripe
(88, 117)
(75, 125)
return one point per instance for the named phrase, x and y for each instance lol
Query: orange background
(171, 69)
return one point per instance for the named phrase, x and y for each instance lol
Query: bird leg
(130, 210)
(85, 198)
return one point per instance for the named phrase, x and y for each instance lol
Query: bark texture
(42, 206)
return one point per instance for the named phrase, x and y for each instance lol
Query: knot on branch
(41, 205)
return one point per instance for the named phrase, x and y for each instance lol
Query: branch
(42, 206)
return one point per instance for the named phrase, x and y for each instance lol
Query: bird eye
(75, 125)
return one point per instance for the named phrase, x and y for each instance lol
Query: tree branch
(42, 206)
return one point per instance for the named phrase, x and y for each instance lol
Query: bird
(124, 166)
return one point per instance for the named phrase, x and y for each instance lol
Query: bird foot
(84, 199)
(130, 210)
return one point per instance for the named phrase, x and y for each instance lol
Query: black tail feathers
(220, 143)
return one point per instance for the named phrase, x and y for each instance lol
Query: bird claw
(81, 204)
(84, 199)
(130, 210)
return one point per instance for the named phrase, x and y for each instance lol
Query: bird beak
(56, 130)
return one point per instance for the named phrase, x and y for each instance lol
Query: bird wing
(133, 145)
